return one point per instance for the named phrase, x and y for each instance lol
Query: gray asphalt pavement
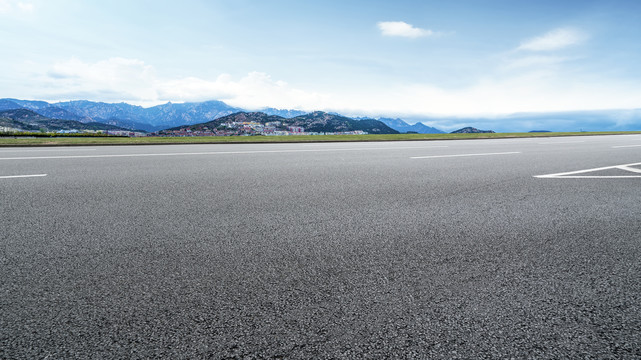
(439, 249)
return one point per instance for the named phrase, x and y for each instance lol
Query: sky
(360, 57)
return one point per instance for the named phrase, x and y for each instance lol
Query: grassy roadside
(79, 141)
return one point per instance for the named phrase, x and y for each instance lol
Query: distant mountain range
(29, 120)
(172, 115)
(317, 121)
(126, 115)
(403, 127)
(284, 113)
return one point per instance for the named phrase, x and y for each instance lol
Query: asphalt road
(372, 250)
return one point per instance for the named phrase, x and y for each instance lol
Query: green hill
(318, 121)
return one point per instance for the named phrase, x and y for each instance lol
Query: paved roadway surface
(373, 250)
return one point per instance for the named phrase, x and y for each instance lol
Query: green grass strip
(78, 141)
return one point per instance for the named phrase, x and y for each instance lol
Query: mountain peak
(471, 130)
(22, 115)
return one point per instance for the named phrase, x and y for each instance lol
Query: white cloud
(9, 6)
(554, 40)
(128, 79)
(402, 29)
(253, 91)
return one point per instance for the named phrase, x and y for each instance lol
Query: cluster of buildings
(129, 133)
(275, 128)
(8, 129)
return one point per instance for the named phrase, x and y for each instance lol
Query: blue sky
(374, 58)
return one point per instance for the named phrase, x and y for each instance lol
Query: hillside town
(248, 128)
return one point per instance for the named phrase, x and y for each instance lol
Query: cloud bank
(132, 80)
(524, 84)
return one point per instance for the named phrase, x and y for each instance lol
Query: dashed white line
(375, 148)
(461, 155)
(560, 142)
(625, 146)
(21, 176)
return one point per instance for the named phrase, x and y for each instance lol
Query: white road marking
(48, 149)
(560, 142)
(627, 168)
(573, 174)
(461, 155)
(625, 146)
(367, 148)
(371, 148)
(205, 153)
(21, 176)
(589, 177)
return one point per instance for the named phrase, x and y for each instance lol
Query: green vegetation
(61, 141)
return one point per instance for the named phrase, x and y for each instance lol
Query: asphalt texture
(359, 250)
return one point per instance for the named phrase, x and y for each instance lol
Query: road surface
(436, 249)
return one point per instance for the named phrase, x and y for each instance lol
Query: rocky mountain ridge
(29, 120)
(164, 116)
(317, 122)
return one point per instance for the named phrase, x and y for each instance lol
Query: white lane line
(574, 174)
(206, 153)
(460, 155)
(560, 142)
(625, 146)
(49, 149)
(590, 177)
(379, 148)
(21, 176)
